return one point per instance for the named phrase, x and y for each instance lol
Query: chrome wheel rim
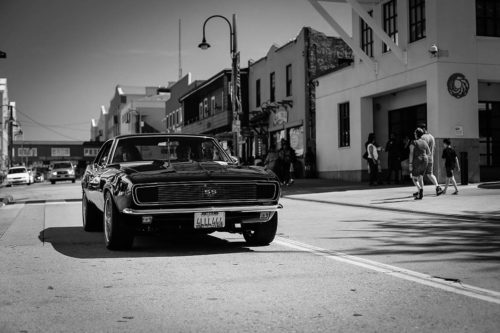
(107, 219)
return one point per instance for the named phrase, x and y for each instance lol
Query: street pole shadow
(408, 198)
(75, 242)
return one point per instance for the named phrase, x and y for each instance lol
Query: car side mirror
(235, 159)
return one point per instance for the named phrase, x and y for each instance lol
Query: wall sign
(59, 152)
(458, 85)
(280, 117)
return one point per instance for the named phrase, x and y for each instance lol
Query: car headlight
(71, 172)
(54, 173)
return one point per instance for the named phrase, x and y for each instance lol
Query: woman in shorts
(419, 158)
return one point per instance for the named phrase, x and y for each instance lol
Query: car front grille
(62, 173)
(203, 193)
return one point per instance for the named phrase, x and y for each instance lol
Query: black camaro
(175, 182)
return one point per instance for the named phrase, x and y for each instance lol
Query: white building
(441, 67)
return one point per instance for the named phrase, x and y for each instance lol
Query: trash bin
(464, 168)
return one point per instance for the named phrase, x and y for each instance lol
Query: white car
(18, 175)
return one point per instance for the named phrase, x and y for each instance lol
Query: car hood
(192, 171)
(16, 175)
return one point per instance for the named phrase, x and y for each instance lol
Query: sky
(65, 57)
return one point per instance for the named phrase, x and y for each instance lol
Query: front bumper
(241, 209)
(183, 218)
(17, 181)
(62, 177)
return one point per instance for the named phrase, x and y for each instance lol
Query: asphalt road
(333, 268)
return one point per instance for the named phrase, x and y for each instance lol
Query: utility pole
(10, 133)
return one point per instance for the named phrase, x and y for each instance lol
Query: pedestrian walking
(419, 162)
(272, 161)
(393, 159)
(431, 142)
(287, 156)
(373, 160)
(450, 163)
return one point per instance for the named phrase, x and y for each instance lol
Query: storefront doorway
(403, 122)
(489, 140)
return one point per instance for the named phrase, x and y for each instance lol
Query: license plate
(209, 220)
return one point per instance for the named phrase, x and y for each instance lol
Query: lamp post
(235, 75)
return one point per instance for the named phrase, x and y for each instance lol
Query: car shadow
(75, 242)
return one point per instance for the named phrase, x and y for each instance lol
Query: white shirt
(372, 153)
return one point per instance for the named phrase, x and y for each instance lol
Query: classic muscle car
(172, 183)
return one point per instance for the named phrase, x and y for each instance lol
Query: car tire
(73, 181)
(52, 182)
(261, 234)
(91, 216)
(116, 236)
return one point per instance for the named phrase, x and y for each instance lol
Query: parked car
(61, 171)
(174, 182)
(18, 175)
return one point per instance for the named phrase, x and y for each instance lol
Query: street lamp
(235, 74)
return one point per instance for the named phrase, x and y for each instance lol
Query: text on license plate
(209, 220)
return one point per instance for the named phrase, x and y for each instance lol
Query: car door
(91, 181)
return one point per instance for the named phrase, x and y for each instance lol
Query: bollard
(464, 168)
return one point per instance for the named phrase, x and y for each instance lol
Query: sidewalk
(474, 201)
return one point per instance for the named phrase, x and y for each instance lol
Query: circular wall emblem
(458, 85)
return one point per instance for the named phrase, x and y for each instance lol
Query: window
(200, 110)
(488, 18)
(344, 129)
(489, 134)
(212, 105)
(272, 87)
(417, 19)
(367, 37)
(390, 20)
(206, 111)
(257, 93)
(289, 80)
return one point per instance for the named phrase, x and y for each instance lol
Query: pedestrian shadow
(466, 239)
(75, 242)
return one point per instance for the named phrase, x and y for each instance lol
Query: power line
(47, 127)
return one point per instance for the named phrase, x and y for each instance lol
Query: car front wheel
(91, 215)
(261, 234)
(116, 236)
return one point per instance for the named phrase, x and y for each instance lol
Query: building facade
(174, 113)
(282, 90)
(416, 61)
(43, 153)
(208, 110)
(4, 138)
(133, 110)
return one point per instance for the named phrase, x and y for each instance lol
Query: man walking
(431, 142)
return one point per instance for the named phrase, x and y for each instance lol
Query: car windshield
(64, 165)
(17, 170)
(171, 149)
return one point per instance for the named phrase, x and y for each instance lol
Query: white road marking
(425, 279)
